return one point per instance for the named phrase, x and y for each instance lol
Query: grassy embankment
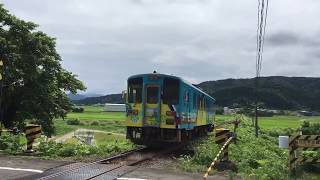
(255, 158)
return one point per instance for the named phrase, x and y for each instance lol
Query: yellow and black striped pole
(222, 150)
(32, 132)
(221, 136)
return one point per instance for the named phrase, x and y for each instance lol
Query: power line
(261, 31)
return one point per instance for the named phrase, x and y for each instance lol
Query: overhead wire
(263, 6)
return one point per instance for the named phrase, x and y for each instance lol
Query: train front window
(171, 91)
(152, 95)
(135, 90)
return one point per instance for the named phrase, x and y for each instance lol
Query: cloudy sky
(105, 41)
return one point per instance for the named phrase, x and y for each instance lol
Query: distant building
(115, 107)
(305, 113)
(227, 110)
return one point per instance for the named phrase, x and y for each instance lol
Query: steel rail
(166, 151)
(92, 163)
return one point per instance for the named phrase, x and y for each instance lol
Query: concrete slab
(14, 167)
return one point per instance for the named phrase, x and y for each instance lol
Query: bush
(11, 143)
(256, 158)
(219, 111)
(95, 123)
(78, 109)
(309, 129)
(73, 122)
(52, 149)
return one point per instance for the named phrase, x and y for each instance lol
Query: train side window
(186, 97)
(135, 90)
(171, 91)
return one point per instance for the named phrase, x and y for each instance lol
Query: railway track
(108, 168)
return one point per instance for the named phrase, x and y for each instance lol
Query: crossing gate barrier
(302, 143)
(221, 137)
(32, 132)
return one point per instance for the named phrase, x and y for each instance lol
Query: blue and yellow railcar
(165, 108)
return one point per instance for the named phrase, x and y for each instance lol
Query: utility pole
(1, 86)
(256, 125)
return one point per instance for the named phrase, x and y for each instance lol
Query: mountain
(76, 96)
(275, 92)
(111, 98)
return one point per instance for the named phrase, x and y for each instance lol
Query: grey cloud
(283, 38)
(104, 42)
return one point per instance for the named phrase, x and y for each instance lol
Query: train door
(187, 103)
(152, 106)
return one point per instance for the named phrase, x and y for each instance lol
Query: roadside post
(32, 132)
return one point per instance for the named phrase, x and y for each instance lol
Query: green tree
(34, 83)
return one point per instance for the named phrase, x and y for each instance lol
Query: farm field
(286, 121)
(94, 117)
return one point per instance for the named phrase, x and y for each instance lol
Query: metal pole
(256, 108)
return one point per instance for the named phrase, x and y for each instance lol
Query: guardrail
(298, 143)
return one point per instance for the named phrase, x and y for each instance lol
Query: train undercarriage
(154, 136)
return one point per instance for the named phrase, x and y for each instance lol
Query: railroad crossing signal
(32, 132)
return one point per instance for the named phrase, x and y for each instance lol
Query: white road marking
(20, 169)
(123, 178)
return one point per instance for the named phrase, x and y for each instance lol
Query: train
(164, 108)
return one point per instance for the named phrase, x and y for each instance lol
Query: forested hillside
(275, 92)
(111, 98)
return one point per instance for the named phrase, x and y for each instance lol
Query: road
(12, 167)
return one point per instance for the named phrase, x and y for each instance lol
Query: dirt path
(69, 135)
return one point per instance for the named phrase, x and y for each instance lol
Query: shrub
(11, 143)
(73, 122)
(308, 128)
(95, 123)
(256, 158)
(52, 149)
(78, 109)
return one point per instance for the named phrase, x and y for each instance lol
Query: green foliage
(256, 158)
(73, 121)
(279, 132)
(308, 128)
(77, 109)
(11, 144)
(94, 123)
(219, 110)
(35, 82)
(52, 149)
